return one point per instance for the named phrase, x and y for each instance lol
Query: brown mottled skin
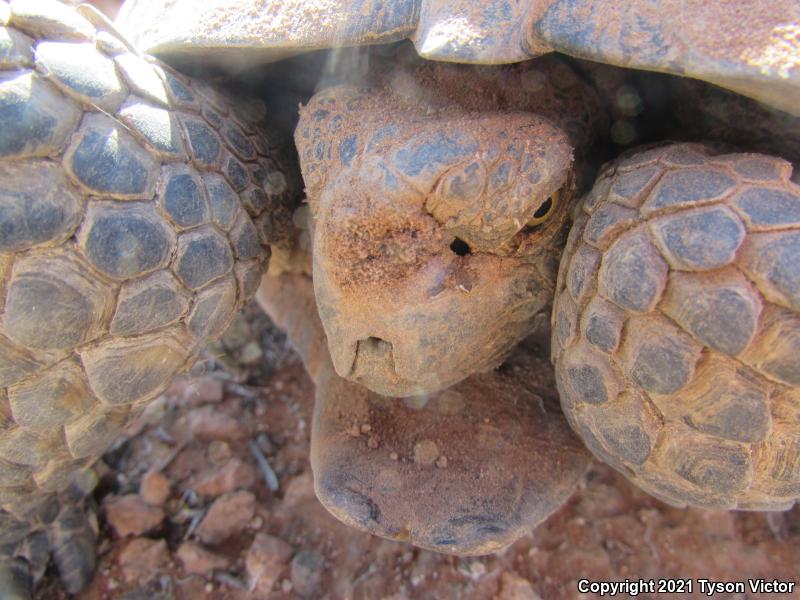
(425, 267)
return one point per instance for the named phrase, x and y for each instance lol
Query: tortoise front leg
(136, 211)
(676, 330)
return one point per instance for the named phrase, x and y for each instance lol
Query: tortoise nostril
(375, 344)
(460, 247)
(373, 352)
(373, 356)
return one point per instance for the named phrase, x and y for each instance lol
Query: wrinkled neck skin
(427, 187)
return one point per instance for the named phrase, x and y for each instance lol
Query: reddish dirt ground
(186, 512)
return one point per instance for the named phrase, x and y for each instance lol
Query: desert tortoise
(620, 391)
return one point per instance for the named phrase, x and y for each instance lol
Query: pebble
(204, 390)
(306, 573)
(234, 475)
(251, 353)
(426, 452)
(219, 452)
(208, 423)
(154, 488)
(142, 559)
(199, 561)
(131, 515)
(441, 462)
(477, 569)
(299, 488)
(228, 515)
(514, 587)
(266, 561)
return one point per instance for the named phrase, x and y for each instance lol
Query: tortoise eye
(546, 209)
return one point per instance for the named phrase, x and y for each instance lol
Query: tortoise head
(435, 233)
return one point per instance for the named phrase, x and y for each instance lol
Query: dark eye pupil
(543, 209)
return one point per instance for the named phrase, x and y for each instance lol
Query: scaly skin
(676, 328)
(422, 185)
(136, 209)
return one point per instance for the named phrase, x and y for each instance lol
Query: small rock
(219, 452)
(393, 455)
(265, 562)
(299, 488)
(234, 475)
(228, 515)
(307, 567)
(477, 569)
(154, 488)
(131, 515)
(426, 452)
(441, 462)
(203, 390)
(142, 559)
(514, 587)
(366, 428)
(286, 586)
(257, 523)
(373, 442)
(189, 461)
(195, 391)
(208, 423)
(251, 353)
(199, 561)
